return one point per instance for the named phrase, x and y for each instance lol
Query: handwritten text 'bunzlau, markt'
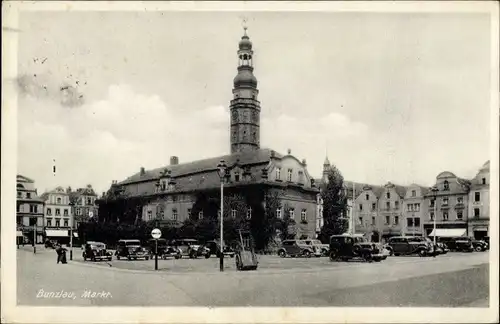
(86, 294)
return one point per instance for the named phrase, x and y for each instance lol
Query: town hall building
(178, 191)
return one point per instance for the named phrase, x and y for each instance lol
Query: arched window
(446, 185)
(20, 186)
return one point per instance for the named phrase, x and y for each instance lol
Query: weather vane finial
(245, 19)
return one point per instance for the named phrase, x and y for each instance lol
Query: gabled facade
(58, 214)
(84, 204)
(448, 204)
(366, 206)
(390, 210)
(479, 203)
(30, 211)
(414, 211)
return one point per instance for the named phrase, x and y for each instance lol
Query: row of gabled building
(456, 205)
(53, 214)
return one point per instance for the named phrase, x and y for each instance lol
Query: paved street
(456, 279)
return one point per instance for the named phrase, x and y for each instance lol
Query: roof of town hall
(260, 156)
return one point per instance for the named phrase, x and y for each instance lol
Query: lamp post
(158, 186)
(221, 170)
(434, 191)
(72, 219)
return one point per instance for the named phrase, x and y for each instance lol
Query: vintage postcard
(250, 162)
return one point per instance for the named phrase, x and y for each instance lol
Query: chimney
(289, 151)
(143, 171)
(174, 160)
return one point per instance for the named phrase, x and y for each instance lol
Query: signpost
(156, 234)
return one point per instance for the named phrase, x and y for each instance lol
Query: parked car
(164, 249)
(324, 248)
(346, 247)
(50, 244)
(96, 251)
(442, 248)
(480, 245)
(131, 249)
(408, 245)
(214, 249)
(295, 248)
(487, 240)
(191, 248)
(458, 243)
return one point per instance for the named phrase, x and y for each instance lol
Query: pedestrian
(59, 253)
(63, 258)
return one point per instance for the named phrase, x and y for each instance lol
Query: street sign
(156, 233)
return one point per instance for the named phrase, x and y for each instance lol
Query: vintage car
(408, 245)
(190, 248)
(131, 249)
(164, 250)
(298, 248)
(441, 248)
(96, 251)
(345, 247)
(324, 248)
(458, 243)
(480, 245)
(214, 249)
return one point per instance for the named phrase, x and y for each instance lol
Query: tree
(334, 205)
(286, 224)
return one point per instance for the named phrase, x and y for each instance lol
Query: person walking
(59, 251)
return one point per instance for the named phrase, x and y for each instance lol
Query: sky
(394, 97)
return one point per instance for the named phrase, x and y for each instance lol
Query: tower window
(367, 196)
(446, 185)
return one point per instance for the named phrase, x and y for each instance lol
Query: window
(200, 215)
(477, 196)
(303, 215)
(189, 212)
(19, 220)
(361, 220)
(360, 206)
(413, 193)
(432, 216)
(396, 204)
(292, 213)
(289, 175)
(79, 211)
(58, 223)
(233, 213)
(417, 207)
(28, 195)
(396, 220)
(476, 212)
(65, 223)
(445, 215)
(164, 185)
(409, 207)
(301, 177)
(445, 201)
(388, 195)
(409, 222)
(174, 198)
(374, 206)
(483, 181)
(19, 194)
(89, 201)
(32, 221)
(65, 212)
(236, 176)
(416, 222)
(150, 214)
(58, 212)
(174, 214)
(278, 213)
(387, 220)
(278, 173)
(249, 213)
(432, 203)
(49, 222)
(59, 200)
(446, 185)
(387, 205)
(367, 196)
(373, 221)
(49, 211)
(460, 215)
(460, 200)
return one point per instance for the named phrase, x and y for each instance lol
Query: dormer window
(289, 175)
(278, 173)
(236, 176)
(388, 195)
(367, 196)
(164, 185)
(446, 185)
(301, 177)
(413, 193)
(59, 200)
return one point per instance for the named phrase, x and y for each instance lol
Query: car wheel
(391, 253)
(479, 249)
(396, 254)
(368, 257)
(282, 253)
(207, 256)
(422, 253)
(333, 255)
(307, 254)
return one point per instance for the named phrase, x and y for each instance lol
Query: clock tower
(245, 108)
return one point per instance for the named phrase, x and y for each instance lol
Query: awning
(480, 228)
(448, 232)
(57, 233)
(19, 233)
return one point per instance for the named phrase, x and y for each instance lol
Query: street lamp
(158, 185)
(72, 220)
(434, 191)
(221, 170)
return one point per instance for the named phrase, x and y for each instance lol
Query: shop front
(446, 229)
